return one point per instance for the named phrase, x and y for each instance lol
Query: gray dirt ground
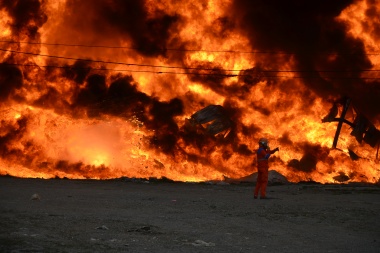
(124, 216)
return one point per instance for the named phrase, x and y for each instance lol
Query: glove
(276, 149)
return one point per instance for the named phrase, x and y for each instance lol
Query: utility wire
(136, 48)
(184, 68)
(189, 73)
(109, 62)
(169, 49)
(123, 70)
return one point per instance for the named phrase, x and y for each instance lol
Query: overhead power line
(173, 49)
(122, 70)
(185, 68)
(189, 73)
(108, 62)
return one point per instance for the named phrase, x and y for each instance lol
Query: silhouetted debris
(372, 136)
(353, 155)
(219, 125)
(342, 177)
(207, 114)
(158, 164)
(361, 124)
(332, 114)
(211, 120)
(362, 128)
(162, 179)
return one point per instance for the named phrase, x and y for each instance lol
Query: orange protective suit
(262, 167)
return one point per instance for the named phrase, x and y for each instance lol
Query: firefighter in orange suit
(263, 154)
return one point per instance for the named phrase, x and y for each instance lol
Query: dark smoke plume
(122, 98)
(27, 16)
(125, 20)
(309, 31)
(10, 80)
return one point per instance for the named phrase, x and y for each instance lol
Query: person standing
(263, 154)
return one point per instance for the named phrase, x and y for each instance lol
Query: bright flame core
(69, 119)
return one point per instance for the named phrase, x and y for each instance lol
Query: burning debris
(210, 120)
(112, 99)
(341, 178)
(362, 128)
(353, 155)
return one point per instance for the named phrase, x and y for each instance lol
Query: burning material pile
(213, 117)
(104, 90)
(362, 128)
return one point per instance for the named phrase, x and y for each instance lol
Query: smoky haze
(305, 36)
(309, 31)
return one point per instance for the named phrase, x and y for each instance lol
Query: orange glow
(107, 105)
(4, 24)
(364, 28)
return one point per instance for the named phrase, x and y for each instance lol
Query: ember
(111, 89)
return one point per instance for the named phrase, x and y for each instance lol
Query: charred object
(341, 177)
(362, 128)
(211, 120)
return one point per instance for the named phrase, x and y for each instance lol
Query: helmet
(263, 141)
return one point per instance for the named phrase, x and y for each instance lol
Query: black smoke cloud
(27, 16)
(371, 22)
(312, 154)
(121, 98)
(11, 79)
(309, 31)
(124, 20)
(78, 71)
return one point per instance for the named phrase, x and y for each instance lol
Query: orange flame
(58, 122)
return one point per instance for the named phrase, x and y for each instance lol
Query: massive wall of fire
(102, 89)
